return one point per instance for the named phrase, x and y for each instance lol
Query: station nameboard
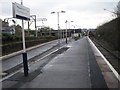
(20, 11)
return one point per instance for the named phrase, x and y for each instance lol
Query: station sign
(20, 11)
(41, 19)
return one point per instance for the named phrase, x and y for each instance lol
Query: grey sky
(84, 13)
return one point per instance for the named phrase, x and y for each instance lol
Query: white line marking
(111, 67)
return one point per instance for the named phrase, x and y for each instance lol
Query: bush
(109, 32)
(8, 38)
(13, 43)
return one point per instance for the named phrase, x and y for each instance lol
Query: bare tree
(118, 9)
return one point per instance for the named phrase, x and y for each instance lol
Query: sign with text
(20, 11)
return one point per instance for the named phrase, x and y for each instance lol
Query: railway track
(52, 52)
(113, 58)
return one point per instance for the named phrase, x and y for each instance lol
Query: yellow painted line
(34, 62)
(3, 74)
(6, 77)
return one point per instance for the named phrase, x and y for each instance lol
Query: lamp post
(69, 29)
(112, 12)
(58, 24)
(63, 35)
(66, 30)
(74, 31)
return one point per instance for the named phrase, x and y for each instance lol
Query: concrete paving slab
(102, 62)
(105, 68)
(110, 79)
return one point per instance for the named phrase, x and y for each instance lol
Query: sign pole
(36, 27)
(25, 63)
(58, 30)
(66, 30)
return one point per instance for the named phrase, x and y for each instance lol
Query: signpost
(42, 19)
(23, 13)
(66, 30)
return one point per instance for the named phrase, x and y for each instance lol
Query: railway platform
(79, 65)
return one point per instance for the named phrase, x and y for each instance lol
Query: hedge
(110, 32)
(13, 43)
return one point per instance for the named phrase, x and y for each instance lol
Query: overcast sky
(84, 13)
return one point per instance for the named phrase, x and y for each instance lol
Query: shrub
(8, 38)
(13, 43)
(109, 32)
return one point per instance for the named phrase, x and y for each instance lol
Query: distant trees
(5, 24)
(110, 32)
(47, 28)
(18, 30)
(45, 31)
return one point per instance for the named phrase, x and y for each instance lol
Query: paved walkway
(68, 70)
(75, 68)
